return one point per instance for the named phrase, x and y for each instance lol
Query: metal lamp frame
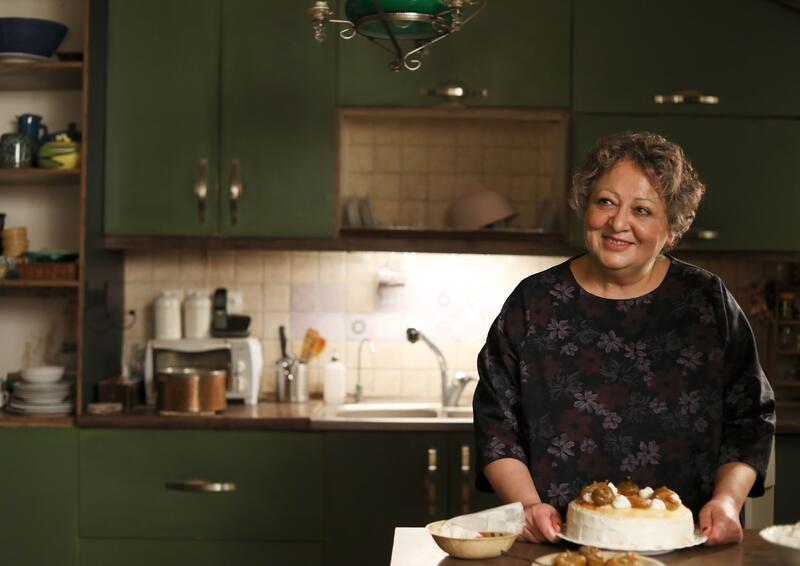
(410, 60)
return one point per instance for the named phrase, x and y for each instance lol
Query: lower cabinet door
(376, 481)
(464, 498)
(104, 552)
(39, 509)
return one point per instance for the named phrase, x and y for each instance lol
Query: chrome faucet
(360, 390)
(451, 390)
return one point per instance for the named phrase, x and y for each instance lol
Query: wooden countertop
(264, 416)
(415, 547)
(270, 415)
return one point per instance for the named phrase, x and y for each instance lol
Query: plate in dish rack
(606, 554)
(699, 538)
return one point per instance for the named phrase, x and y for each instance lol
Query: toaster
(241, 359)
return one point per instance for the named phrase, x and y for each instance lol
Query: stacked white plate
(42, 398)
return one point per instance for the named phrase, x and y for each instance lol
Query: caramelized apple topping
(638, 502)
(669, 497)
(602, 496)
(628, 488)
(592, 486)
(627, 559)
(569, 559)
(591, 556)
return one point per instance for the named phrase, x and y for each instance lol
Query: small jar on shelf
(785, 338)
(786, 310)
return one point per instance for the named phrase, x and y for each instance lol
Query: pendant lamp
(393, 24)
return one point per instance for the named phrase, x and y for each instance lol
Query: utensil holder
(291, 385)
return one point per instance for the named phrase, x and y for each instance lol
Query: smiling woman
(624, 361)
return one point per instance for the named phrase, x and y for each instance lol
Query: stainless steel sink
(396, 412)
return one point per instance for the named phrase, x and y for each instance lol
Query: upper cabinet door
(278, 122)
(743, 51)
(517, 49)
(749, 166)
(162, 116)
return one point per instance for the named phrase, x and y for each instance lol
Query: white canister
(197, 314)
(167, 309)
(335, 384)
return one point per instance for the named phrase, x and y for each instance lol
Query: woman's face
(625, 226)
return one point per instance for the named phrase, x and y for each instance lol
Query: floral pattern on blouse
(663, 388)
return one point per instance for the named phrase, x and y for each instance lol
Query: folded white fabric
(507, 519)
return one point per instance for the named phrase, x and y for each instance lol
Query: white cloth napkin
(504, 519)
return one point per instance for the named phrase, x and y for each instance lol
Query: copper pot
(193, 391)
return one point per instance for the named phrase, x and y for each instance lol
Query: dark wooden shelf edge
(23, 283)
(363, 240)
(412, 241)
(11, 420)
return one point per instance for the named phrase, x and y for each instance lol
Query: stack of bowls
(42, 391)
(15, 241)
(59, 155)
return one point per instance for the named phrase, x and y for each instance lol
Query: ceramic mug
(16, 151)
(31, 125)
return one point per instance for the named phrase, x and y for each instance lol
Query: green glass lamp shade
(408, 19)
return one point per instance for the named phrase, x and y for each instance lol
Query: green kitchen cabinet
(201, 485)
(750, 168)
(220, 120)
(745, 52)
(787, 468)
(519, 50)
(120, 552)
(463, 497)
(39, 522)
(376, 481)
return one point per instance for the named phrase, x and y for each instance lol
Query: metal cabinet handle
(235, 191)
(702, 235)
(430, 481)
(686, 97)
(201, 486)
(432, 457)
(201, 190)
(466, 468)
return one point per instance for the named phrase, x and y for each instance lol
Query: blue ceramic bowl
(30, 36)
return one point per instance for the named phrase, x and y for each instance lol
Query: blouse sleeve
(749, 403)
(496, 401)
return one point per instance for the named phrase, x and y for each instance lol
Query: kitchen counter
(268, 416)
(415, 547)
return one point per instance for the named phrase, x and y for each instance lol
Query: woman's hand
(719, 521)
(542, 522)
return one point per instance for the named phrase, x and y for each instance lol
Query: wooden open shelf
(39, 283)
(14, 420)
(41, 75)
(40, 176)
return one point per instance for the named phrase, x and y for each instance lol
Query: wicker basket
(42, 270)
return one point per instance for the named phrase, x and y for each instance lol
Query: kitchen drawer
(124, 492)
(98, 552)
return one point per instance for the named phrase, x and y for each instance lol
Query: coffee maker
(241, 358)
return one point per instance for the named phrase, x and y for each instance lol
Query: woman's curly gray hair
(665, 165)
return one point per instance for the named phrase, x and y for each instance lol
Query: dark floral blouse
(663, 388)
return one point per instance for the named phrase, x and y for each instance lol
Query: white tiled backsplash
(452, 298)
(413, 164)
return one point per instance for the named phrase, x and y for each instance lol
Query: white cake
(653, 522)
